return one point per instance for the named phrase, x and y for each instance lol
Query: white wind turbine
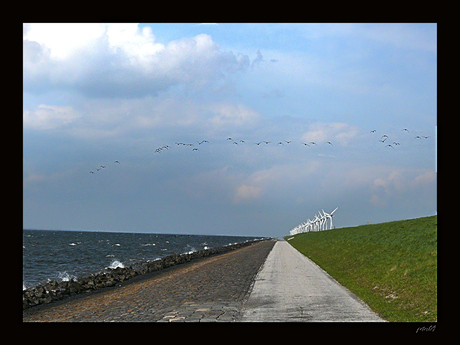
(326, 216)
(316, 220)
(330, 215)
(325, 220)
(317, 224)
(322, 221)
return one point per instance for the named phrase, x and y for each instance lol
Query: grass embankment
(390, 266)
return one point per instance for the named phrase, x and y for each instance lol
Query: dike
(55, 291)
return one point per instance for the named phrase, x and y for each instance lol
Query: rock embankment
(54, 291)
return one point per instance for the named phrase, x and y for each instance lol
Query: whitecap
(117, 244)
(192, 249)
(116, 264)
(65, 277)
(205, 247)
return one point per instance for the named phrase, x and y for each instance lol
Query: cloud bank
(120, 60)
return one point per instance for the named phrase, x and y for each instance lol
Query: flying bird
(203, 141)
(195, 149)
(280, 143)
(91, 172)
(394, 142)
(229, 139)
(312, 142)
(373, 131)
(117, 162)
(390, 146)
(386, 136)
(425, 137)
(330, 143)
(418, 137)
(288, 141)
(405, 129)
(305, 144)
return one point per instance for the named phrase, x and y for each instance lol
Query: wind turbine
(322, 220)
(325, 220)
(330, 215)
(316, 220)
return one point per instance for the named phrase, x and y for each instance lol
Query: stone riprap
(208, 290)
(54, 291)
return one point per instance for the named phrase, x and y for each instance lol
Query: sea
(49, 255)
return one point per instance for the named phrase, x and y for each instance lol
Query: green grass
(390, 266)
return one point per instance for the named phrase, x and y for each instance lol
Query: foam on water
(64, 255)
(65, 277)
(116, 264)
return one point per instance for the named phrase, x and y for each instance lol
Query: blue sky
(96, 93)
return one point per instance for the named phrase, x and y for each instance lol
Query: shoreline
(53, 291)
(206, 289)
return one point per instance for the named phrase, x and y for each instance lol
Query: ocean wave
(116, 264)
(65, 277)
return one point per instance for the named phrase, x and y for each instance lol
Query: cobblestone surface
(209, 290)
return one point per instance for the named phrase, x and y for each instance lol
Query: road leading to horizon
(292, 288)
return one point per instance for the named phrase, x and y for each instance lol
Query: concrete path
(291, 288)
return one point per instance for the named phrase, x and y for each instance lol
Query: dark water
(62, 255)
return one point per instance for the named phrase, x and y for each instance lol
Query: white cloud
(120, 60)
(424, 179)
(49, 117)
(64, 40)
(233, 115)
(399, 182)
(245, 192)
(275, 181)
(138, 45)
(335, 132)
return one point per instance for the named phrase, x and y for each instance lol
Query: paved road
(291, 288)
(208, 290)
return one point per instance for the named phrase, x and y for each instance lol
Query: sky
(114, 118)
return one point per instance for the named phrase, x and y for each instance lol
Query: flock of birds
(383, 139)
(102, 167)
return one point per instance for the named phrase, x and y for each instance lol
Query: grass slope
(390, 266)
